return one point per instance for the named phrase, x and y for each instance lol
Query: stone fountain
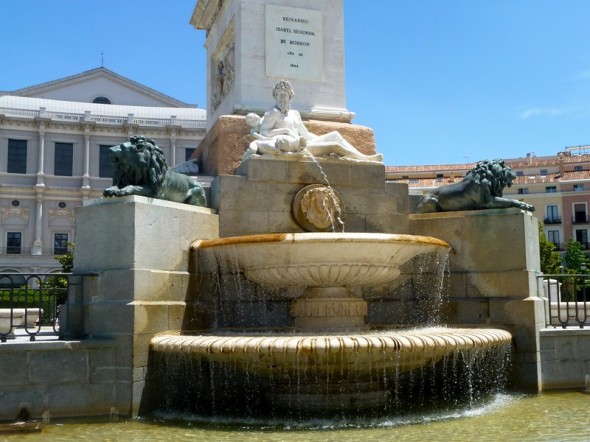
(298, 287)
(329, 360)
(325, 355)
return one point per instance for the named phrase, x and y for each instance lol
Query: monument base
(138, 247)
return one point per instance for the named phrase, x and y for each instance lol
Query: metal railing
(568, 299)
(31, 302)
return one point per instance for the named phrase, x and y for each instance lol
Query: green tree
(575, 260)
(59, 284)
(550, 258)
(576, 263)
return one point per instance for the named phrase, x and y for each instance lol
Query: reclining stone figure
(281, 131)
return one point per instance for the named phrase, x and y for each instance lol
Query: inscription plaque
(294, 43)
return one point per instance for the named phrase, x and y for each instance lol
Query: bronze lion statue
(140, 169)
(481, 188)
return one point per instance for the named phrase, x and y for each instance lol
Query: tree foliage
(550, 258)
(575, 260)
(59, 284)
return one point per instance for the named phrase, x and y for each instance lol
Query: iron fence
(568, 299)
(31, 302)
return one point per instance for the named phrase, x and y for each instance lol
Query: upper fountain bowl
(321, 259)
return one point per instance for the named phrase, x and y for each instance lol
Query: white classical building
(54, 140)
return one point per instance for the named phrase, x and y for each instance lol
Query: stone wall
(493, 277)
(58, 379)
(565, 357)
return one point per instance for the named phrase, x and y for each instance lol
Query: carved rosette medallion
(319, 208)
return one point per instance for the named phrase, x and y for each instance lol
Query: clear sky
(439, 81)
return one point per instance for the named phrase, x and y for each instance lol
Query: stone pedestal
(260, 198)
(493, 277)
(251, 44)
(139, 249)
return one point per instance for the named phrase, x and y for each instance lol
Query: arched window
(101, 100)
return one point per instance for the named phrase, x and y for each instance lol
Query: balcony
(22, 251)
(552, 220)
(580, 219)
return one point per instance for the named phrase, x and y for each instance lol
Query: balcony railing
(559, 246)
(568, 298)
(69, 117)
(553, 220)
(45, 251)
(580, 220)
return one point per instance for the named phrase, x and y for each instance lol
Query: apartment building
(558, 186)
(54, 140)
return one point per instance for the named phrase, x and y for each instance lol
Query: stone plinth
(493, 272)
(248, 44)
(221, 150)
(139, 248)
(260, 199)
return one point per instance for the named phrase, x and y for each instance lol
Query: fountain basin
(323, 372)
(341, 355)
(321, 259)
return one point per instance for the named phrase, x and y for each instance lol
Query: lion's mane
(493, 174)
(141, 169)
(141, 165)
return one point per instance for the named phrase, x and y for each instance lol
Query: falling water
(251, 364)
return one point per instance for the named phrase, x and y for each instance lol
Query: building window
(578, 168)
(188, 153)
(544, 172)
(551, 189)
(552, 214)
(101, 100)
(553, 236)
(578, 187)
(17, 156)
(523, 190)
(60, 243)
(519, 173)
(582, 237)
(62, 163)
(105, 164)
(580, 215)
(13, 243)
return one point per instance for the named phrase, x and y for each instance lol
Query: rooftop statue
(141, 169)
(481, 188)
(281, 131)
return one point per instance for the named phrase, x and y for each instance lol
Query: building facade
(54, 141)
(558, 186)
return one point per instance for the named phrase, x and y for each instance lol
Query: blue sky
(439, 81)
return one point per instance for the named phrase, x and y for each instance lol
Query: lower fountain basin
(315, 374)
(337, 355)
